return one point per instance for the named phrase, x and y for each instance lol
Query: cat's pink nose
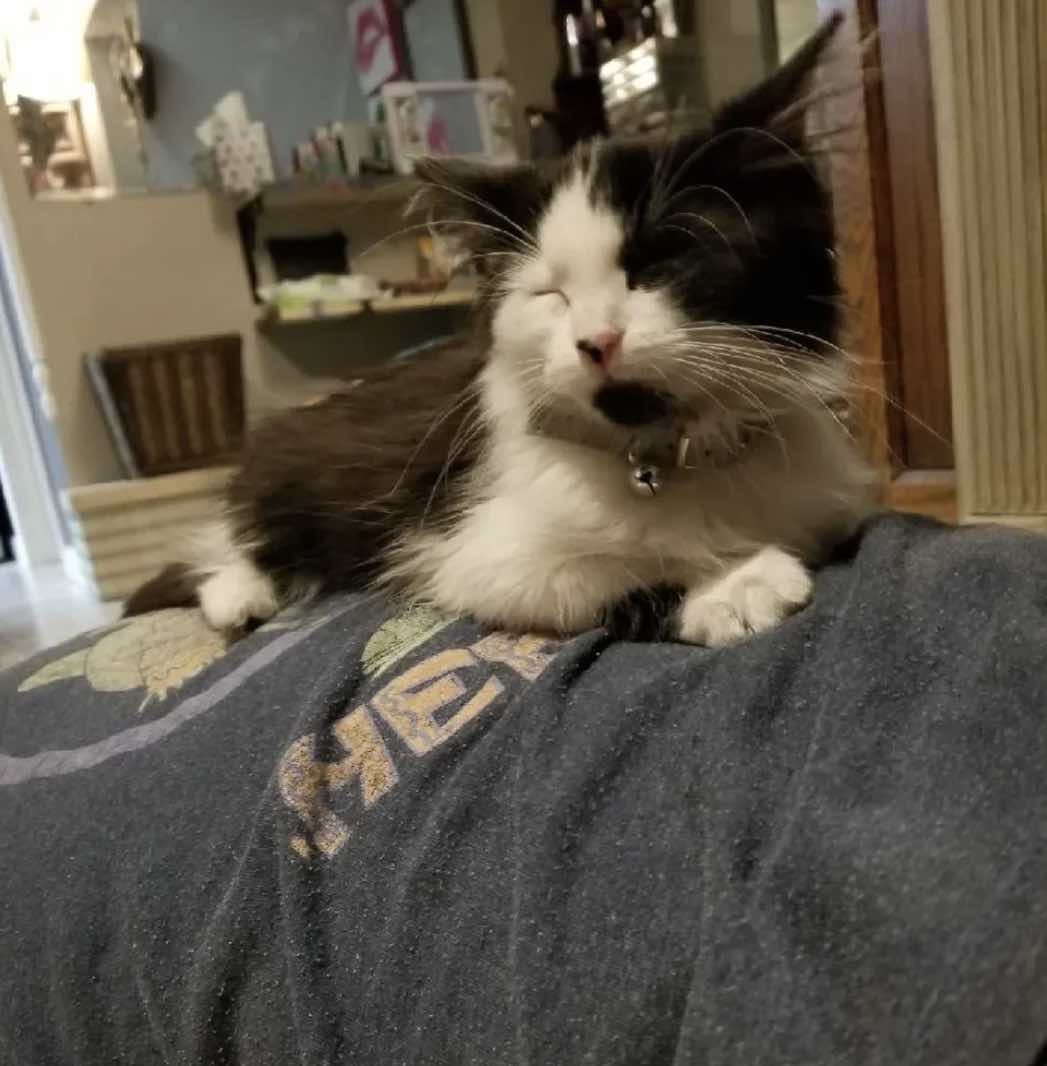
(601, 349)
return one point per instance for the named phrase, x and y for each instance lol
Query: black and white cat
(650, 416)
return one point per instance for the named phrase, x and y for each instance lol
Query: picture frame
(68, 160)
(375, 40)
(461, 119)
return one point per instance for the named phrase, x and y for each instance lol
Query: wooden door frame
(907, 92)
(862, 205)
(884, 178)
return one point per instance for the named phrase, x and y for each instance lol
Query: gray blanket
(373, 835)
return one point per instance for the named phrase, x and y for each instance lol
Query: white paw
(751, 598)
(236, 594)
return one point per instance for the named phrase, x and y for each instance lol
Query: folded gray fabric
(372, 835)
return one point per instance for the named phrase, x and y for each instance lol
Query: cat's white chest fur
(556, 533)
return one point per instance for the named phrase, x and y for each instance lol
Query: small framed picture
(375, 43)
(468, 119)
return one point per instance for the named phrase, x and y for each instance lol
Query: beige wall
(118, 272)
(731, 37)
(514, 39)
(485, 27)
(797, 20)
(531, 55)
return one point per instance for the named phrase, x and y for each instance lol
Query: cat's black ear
(776, 103)
(481, 207)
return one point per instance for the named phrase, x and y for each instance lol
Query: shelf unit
(301, 192)
(427, 301)
(350, 199)
(430, 301)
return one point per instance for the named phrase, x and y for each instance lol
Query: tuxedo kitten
(648, 428)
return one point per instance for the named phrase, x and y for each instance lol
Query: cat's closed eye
(553, 292)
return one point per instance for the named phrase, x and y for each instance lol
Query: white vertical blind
(990, 72)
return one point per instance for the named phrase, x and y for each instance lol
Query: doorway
(31, 469)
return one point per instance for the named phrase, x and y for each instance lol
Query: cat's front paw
(237, 594)
(752, 598)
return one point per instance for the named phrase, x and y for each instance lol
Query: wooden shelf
(272, 315)
(426, 301)
(302, 192)
(430, 301)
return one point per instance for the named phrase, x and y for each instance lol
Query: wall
(433, 40)
(531, 55)
(734, 53)
(514, 39)
(291, 62)
(796, 21)
(485, 26)
(118, 129)
(117, 272)
(136, 269)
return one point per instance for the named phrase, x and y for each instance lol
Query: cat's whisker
(486, 205)
(428, 227)
(735, 131)
(708, 222)
(779, 340)
(755, 367)
(787, 387)
(741, 389)
(458, 445)
(852, 383)
(696, 189)
(466, 395)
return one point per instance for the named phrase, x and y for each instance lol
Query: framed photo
(53, 132)
(374, 40)
(466, 119)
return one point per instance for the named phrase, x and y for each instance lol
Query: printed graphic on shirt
(155, 655)
(423, 706)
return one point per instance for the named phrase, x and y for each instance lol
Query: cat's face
(572, 319)
(641, 279)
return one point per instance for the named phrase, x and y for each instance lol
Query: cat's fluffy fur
(492, 480)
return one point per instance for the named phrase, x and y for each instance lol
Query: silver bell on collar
(646, 480)
(652, 452)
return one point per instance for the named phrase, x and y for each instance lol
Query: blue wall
(291, 61)
(432, 38)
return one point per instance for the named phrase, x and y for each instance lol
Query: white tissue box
(243, 158)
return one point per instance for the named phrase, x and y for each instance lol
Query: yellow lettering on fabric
(368, 757)
(411, 705)
(409, 702)
(305, 782)
(523, 654)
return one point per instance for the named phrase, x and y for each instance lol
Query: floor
(42, 609)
